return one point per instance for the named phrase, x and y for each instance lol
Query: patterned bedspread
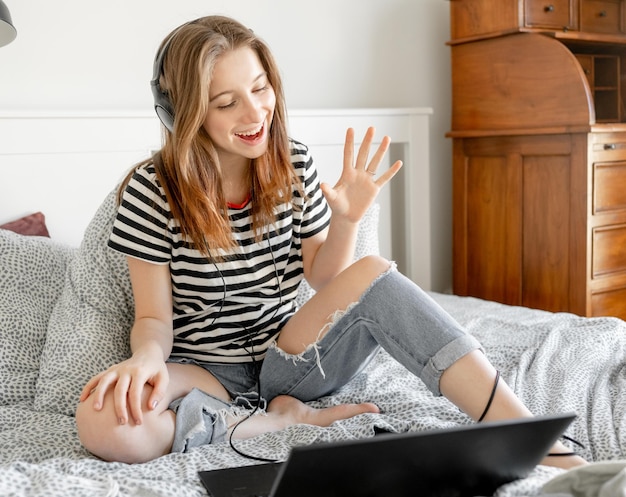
(56, 309)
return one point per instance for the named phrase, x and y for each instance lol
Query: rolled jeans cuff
(446, 357)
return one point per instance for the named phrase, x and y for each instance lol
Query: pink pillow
(32, 225)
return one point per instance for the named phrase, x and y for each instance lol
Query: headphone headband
(162, 104)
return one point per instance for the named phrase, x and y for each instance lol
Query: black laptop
(467, 460)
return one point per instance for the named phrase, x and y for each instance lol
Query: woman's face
(241, 106)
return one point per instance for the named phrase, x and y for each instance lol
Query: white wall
(81, 55)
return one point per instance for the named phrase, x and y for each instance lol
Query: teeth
(251, 133)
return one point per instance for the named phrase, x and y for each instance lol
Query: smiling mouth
(252, 135)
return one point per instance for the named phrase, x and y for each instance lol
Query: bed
(65, 312)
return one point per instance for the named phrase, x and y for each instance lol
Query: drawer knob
(602, 13)
(609, 146)
(549, 8)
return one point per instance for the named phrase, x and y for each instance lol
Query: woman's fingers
(89, 387)
(372, 167)
(120, 397)
(348, 149)
(159, 388)
(135, 400)
(101, 384)
(364, 149)
(386, 176)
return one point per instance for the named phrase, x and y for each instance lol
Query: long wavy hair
(188, 166)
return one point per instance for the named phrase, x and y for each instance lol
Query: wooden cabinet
(539, 153)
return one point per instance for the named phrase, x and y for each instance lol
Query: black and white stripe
(231, 310)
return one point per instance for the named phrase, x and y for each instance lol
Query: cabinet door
(547, 230)
(487, 225)
(520, 221)
(601, 16)
(551, 14)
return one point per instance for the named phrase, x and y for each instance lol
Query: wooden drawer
(609, 303)
(609, 187)
(609, 250)
(601, 16)
(608, 147)
(557, 14)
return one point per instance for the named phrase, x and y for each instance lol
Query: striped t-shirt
(230, 310)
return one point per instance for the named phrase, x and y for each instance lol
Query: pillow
(33, 225)
(90, 323)
(31, 280)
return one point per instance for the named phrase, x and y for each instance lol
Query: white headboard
(64, 164)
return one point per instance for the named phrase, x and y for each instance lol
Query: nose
(253, 110)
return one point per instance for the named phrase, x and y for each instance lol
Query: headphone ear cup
(162, 106)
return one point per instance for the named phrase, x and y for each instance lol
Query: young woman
(219, 228)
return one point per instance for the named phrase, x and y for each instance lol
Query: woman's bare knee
(374, 265)
(311, 322)
(103, 436)
(349, 285)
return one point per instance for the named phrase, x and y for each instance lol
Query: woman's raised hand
(360, 181)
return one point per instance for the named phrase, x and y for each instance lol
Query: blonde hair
(187, 165)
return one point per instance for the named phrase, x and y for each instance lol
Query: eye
(226, 106)
(262, 89)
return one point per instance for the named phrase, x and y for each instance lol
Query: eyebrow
(260, 76)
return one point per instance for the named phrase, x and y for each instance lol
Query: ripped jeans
(393, 313)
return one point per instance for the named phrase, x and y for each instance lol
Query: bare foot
(284, 411)
(294, 411)
(564, 462)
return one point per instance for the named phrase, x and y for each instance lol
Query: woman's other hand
(127, 380)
